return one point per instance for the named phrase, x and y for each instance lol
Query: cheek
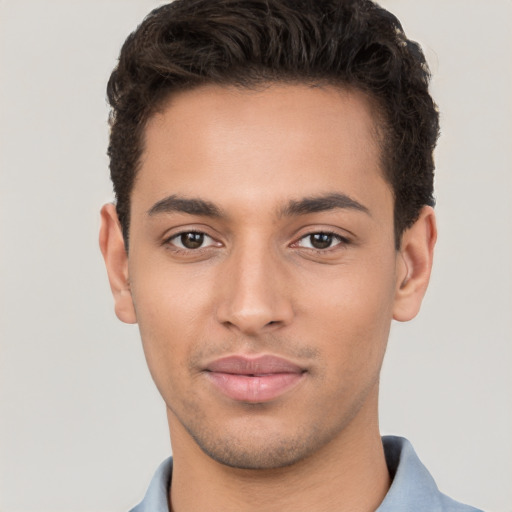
(168, 297)
(353, 309)
(170, 310)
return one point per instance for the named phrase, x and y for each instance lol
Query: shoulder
(450, 505)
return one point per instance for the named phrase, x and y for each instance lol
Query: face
(262, 269)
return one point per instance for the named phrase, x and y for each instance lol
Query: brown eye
(192, 240)
(321, 240)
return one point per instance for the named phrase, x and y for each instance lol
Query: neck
(348, 474)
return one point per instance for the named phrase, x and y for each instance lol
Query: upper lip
(259, 365)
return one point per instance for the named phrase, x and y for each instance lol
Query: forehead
(292, 140)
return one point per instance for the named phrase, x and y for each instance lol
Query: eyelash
(341, 241)
(171, 241)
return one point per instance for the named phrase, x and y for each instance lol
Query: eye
(191, 240)
(321, 241)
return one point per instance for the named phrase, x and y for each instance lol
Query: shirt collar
(156, 498)
(412, 487)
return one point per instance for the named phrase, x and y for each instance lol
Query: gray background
(81, 426)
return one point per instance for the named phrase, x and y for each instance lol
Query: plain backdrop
(82, 427)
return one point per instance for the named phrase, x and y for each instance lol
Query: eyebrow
(174, 203)
(322, 203)
(315, 204)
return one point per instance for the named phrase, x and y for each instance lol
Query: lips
(254, 380)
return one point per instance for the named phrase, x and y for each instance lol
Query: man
(272, 163)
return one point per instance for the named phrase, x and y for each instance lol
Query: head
(272, 162)
(346, 43)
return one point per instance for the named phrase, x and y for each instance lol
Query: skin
(257, 285)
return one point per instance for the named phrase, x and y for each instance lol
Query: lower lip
(254, 389)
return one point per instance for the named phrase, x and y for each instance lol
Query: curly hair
(348, 43)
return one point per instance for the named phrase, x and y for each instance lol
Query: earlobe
(116, 260)
(414, 264)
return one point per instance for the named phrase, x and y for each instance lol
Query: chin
(273, 456)
(257, 448)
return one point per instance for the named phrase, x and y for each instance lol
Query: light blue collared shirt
(412, 489)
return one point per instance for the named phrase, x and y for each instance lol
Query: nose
(254, 296)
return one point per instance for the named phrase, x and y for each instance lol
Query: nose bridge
(253, 292)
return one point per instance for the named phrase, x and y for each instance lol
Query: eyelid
(170, 238)
(338, 240)
(177, 237)
(334, 236)
(343, 235)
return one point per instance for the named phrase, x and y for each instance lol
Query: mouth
(254, 379)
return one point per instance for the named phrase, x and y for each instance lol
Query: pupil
(321, 240)
(192, 240)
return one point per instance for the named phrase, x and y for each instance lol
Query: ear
(116, 260)
(414, 264)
